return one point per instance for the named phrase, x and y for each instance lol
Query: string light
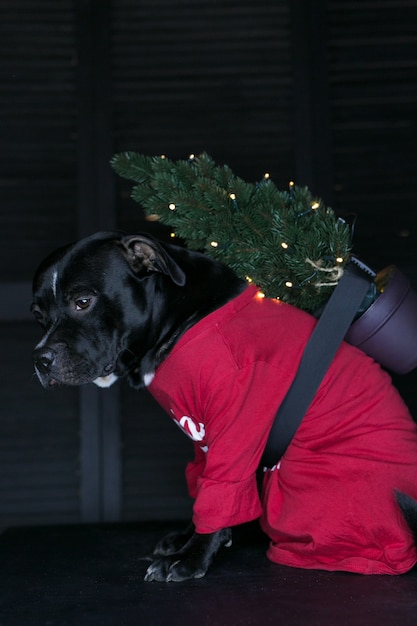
(172, 235)
(260, 295)
(232, 196)
(284, 245)
(291, 186)
(313, 207)
(339, 259)
(163, 156)
(214, 244)
(191, 157)
(171, 206)
(288, 283)
(265, 178)
(249, 279)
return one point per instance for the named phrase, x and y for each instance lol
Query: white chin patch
(105, 381)
(148, 378)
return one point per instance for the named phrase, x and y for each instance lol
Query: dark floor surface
(93, 575)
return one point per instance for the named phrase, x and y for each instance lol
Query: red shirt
(330, 503)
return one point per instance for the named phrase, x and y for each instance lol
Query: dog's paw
(174, 568)
(192, 560)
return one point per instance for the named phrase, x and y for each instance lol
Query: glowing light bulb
(260, 295)
(339, 259)
(249, 279)
(172, 235)
(288, 283)
(266, 175)
(232, 196)
(284, 245)
(171, 206)
(214, 244)
(315, 206)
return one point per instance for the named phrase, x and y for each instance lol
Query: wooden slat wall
(39, 438)
(373, 99)
(194, 76)
(39, 432)
(38, 132)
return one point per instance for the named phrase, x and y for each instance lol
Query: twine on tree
(334, 274)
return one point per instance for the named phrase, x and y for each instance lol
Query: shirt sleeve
(237, 415)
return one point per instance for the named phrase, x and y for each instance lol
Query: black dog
(116, 306)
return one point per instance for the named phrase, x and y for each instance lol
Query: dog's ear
(144, 252)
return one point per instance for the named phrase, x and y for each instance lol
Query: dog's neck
(215, 293)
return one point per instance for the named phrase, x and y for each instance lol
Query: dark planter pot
(387, 330)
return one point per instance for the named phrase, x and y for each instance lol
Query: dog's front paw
(174, 568)
(192, 560)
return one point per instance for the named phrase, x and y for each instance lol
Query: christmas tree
(288, 243)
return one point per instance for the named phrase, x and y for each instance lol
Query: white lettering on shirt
(193, 430)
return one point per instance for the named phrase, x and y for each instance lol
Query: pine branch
(291, 246)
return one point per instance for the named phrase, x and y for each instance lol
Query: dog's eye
(81, 304)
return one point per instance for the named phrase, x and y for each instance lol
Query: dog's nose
(44, 359)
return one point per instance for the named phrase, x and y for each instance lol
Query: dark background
(323, 93)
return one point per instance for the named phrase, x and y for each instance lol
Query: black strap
(318, 354)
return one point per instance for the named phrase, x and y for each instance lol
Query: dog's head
(101, 306)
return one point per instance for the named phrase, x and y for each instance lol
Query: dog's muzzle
(54, 365)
